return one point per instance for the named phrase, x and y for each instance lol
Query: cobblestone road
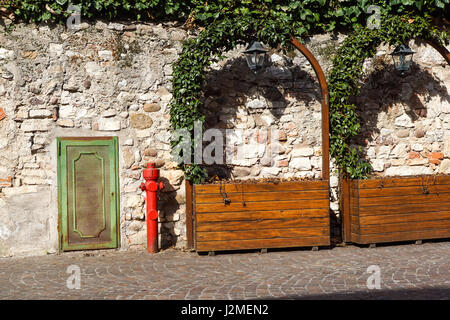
(408, 271)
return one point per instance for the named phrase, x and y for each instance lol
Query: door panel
(87, 174)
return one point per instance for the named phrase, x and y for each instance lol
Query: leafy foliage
(307, 15)
(232, 22)
(344, 76)
(223, 35)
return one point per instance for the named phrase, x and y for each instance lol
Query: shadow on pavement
(442, 293)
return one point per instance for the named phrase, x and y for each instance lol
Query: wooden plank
(406, 217)
(345, 209)
(401, 182)
(262, 224)
(263, 234)
(262, 196)
(405, 236)
(355, 229)
(407, 199)
(402, 191)
(257, 206)
(265, 243)
(404, 227)
(403, 208)
(355, 237)
(254, 215)
(355, 220)
(325, 105)
(261, 187)
(189, 214)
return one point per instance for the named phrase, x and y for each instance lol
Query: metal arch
(441, 49)
(325, 107)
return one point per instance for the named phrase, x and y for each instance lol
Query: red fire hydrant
(151, 175)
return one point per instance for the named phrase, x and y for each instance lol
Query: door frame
(63, 142)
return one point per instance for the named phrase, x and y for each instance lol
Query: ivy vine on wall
(189, 76)
(189, 71)
(346, 72)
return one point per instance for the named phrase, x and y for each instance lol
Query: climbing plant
(189, 71)
(306, 15)
(228, 23)
(189, 74)
(344, 82)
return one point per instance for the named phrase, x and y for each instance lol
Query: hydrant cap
(151, 173)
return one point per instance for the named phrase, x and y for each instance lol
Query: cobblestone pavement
(408, 271)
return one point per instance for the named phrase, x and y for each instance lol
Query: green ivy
(275, 31)
(347, 70)
(306, 15)
(228, 23)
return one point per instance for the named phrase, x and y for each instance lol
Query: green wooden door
(88, 193)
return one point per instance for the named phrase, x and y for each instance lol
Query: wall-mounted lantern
(256, 56)
(402, 56)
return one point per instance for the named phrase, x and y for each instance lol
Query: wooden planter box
(395, 209)
(262, 215)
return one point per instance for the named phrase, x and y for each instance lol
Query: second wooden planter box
(263, 215)
(395, 209)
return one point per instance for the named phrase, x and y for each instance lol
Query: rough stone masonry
(112, 79)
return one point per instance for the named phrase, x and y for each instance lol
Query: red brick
(437, 155)
(2, 114)
(434, 161)
(283, 163)
(414, 155)
(6, 182)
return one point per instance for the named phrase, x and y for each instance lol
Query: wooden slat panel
(256, 206)
(262, 224)
(403, 208)
(262, 196)
(189, 214)
(254, 215)
(406, 199)
(354, 220)
(345, 208)
(405, 217)
(262, 234)
(405, 236)
(355, 229)
(404, 227)
(261, 187)
(265, 243)
(401, 182)
(263, 215)
(401, 191)
(355, 237)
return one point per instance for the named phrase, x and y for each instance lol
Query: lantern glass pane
(251, 60)
(261, 58)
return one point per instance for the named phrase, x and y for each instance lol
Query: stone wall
(406, 119)
(112, 79)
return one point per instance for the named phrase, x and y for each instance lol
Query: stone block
(32, 125)
(404, 121)
(301, 151)
(408, 171)
(109, 124)
(302, 164)
(67, 123)
(140, 121)
(40, 113)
